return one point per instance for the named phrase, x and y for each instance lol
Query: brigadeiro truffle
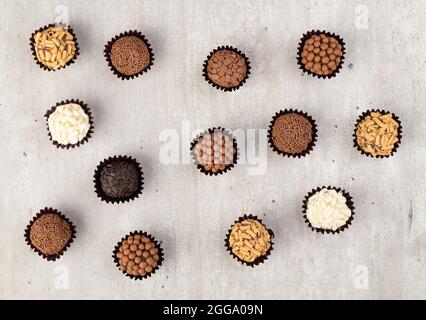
(118, 179)
(292, 133)
(214, 151)
(69, 123)
(129, 54)
(226, 68)
(54, 47)
(138, 255)
(321, 54)
(50, 233)
(249, 241)
(328, 210)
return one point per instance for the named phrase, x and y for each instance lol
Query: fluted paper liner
(38, 215)
(310, 145)
(349, 203)
(260, 259)
(230, 48)
(33, 49)
(305, 37)
(229, 166)
(396, 145)
(97, 180)
(155, 242)
(108, 47)
(86, 110)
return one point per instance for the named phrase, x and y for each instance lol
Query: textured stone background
(385, 66)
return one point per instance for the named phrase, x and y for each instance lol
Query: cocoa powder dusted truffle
(292, 133)
(129, 54)
(321, 53)
(226, 68)
(214, 151)
(138, 255)
(50, 233)
(118, 179)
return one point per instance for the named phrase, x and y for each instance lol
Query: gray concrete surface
(382, 255)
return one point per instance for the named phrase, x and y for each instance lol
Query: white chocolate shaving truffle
(68, 124)
(327, 209)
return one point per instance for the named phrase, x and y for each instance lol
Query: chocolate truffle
(54, 46)
(214, 151)
(328, 210)
(226, 68)
(377, 133)
(321, 53)
(130, 55)
(249, 240)
(292, 133)
(138, 255)
(118, 179)
(50, 233)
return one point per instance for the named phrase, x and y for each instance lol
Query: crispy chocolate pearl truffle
(292, 133)
(130, 55)
(215, 151)
(138, 255)
(322, 54)
(226, 68)
(50, 233)
(120, 179)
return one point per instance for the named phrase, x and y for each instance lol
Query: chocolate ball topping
(322, 54)
(215, 151)
(138, 255)
(292, 133)
(130, 55)
(50, 233)
(120, 179)
(226, 68)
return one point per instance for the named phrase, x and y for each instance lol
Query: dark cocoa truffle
(130, 55)
(50, 233)
(226, 68)
(120, 179)
(292, 133)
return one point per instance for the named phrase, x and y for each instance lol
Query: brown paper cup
(349, 203)
(259, 260)
(305, 37)
(230, 48)
(97, 180)
(38, 215)
(108, 47)
(157, 245)
(365, 114)
(33, 49)
(86, 110)
(229, 166)
(310, 145)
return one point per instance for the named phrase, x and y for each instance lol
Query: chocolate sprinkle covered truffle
(49, 233)
(292, 133)
(118, 179)
(138, 255)
(130, 55)
(226, 68)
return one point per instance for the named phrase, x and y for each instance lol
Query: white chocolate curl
(68, 124)
(327, 209)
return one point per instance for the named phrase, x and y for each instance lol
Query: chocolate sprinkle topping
(120, 179)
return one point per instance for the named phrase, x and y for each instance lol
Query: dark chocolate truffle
(130, 55)
(50, 233)
(292, 133)
(120, 179)
(226, 68)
